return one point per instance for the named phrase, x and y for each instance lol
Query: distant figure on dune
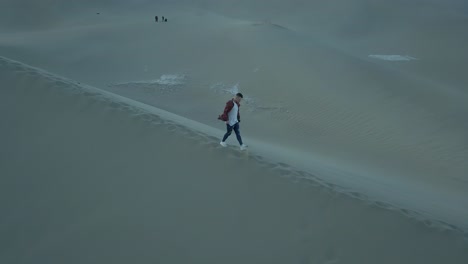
(156, 19)
(231, 117)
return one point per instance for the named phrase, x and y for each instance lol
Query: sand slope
(86, 179)
(355, 112)
(381, 129)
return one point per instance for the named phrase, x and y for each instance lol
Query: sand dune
(355, 113)
(100, 179)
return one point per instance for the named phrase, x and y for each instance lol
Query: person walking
(231, 117)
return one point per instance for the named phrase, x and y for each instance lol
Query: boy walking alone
(232, 118)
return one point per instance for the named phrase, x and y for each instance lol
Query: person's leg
(236, 130)
(228, 132)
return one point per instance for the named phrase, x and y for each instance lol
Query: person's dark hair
(240, 95)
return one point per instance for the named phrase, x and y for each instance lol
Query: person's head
(238, 97)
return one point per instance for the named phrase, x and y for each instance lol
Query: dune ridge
(101, 177)
(410, 198)
(354, 111)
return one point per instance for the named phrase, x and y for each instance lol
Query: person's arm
(227, 109)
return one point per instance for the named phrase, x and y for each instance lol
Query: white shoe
(223, 144)
(243, 147)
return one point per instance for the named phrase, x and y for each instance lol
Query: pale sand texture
(318, 97)
(93, 179)
(401, 133)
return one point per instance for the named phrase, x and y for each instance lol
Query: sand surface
(356, 126)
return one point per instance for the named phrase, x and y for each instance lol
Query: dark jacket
(227, 109)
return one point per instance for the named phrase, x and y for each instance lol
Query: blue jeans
(229, 131)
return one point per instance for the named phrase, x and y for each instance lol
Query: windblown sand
(355, 114)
